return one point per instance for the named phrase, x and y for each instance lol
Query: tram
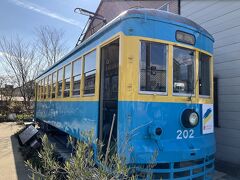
(153, 71)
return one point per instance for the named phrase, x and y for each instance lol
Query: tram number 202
(185, 134)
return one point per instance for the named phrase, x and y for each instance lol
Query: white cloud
(44, 11)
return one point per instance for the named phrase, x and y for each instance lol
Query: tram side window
(38, 90)
(41, 89)
(45, 88)
(60, 78)
(77, 71)
(183, 71)
(153, 67)
(54, 80)
(89, 73)
(204, 74)
(49, 86)
(67, 80)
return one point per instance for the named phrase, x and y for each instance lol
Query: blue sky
(22, 17)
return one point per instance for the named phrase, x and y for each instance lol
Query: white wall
(222, 20)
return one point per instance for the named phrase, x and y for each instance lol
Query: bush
(81, 166)
(24, 117)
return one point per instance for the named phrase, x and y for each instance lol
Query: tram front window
(204, 74)
(153, 67)
(183, 71)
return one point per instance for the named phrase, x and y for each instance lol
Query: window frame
(210, 75)
(194, 73)
(49, 93)
(83, 73)
(64, 80)
(60, 96)
(45, 79)
(80, 59)
(139, 68)
(167, 5)
(54, 72)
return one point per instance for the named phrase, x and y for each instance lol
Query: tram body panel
(137, 124)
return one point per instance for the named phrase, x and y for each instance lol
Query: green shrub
(80, 166)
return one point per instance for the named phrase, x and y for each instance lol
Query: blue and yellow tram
(153, 70)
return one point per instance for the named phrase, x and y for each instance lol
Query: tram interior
(109, 94)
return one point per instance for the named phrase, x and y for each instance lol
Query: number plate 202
(185, 134)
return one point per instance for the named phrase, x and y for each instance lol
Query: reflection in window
(153, 67)
(39, 90)
(60, 77)
(67, 80)
(54, 80)
(183, 70)
(89, 73)
(49, 86)
(204, 74)
(45, 88)
(77, 71)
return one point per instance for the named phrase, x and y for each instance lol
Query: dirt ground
(11, 162)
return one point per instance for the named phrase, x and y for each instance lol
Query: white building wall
(222, 20)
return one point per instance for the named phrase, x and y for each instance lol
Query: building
(222, 20)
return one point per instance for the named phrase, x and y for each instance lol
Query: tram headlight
(193, 119)
(190, 118)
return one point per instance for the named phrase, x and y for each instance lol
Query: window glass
(183, 70)
(41, 89)
(153, 67)
(49, 85)
(60, 77)
(67, 80)
(204, 74)
(164, 7)
(45, 88)
(77, 71)
(54, 80)
(89, 73)
(38, 90)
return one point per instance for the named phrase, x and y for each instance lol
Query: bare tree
(6, 88)
(2, 83)
(21, 62)
(50, 43)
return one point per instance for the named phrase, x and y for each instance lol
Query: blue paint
(207, 113)
(134, 120)
(70, 117)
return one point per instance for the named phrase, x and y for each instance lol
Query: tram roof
(168, 17)
(144, 13)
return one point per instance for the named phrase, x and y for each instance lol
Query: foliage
(81, 165)
(24, 117)
(47, 166)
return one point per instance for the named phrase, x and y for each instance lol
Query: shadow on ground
(21, 169)
(231, 171)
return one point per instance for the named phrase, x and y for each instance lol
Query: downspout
(179, 7)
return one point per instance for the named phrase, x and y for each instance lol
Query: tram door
(108, 107)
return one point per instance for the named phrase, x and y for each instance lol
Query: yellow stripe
(129, 63)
